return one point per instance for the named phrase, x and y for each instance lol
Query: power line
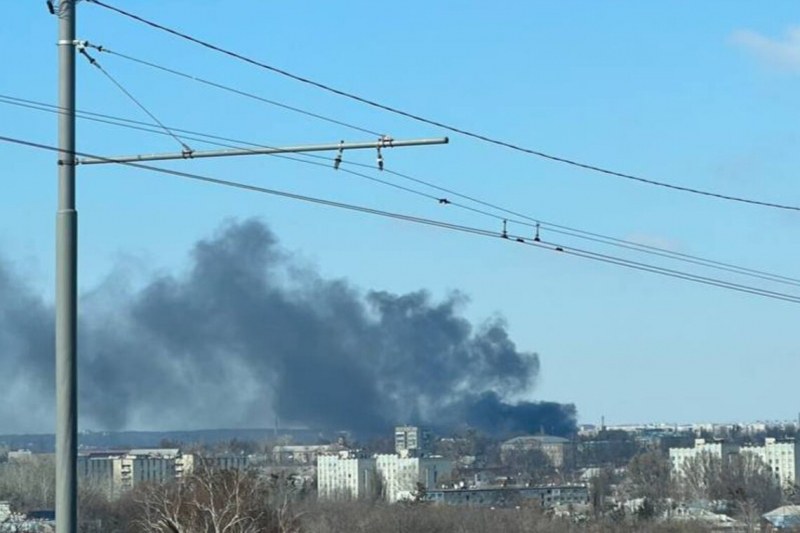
(455, 129)
(534, 222)
(234, 90)
(556, 228)
(92, 61)
(444, 225)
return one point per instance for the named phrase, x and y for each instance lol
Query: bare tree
(29, 483)
(648, 477)
(228, 501)
(741, 480)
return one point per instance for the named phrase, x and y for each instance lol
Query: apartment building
(782, 458)
(117, 471)
(346, 477)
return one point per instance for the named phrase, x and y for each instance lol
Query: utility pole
(67, 252)
(66, 281)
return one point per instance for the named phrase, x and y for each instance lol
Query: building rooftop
(540, 439)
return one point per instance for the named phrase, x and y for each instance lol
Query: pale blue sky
(703, 94)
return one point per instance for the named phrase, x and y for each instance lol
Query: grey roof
(786, 516)
(541, 439)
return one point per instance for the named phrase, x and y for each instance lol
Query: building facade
(118, 471)
(780, 457)
(344, 477)
(403, 477)
(412, 441)
(545, 496)
(389, 476)
(559, 451)
(680, 457)
(294, 454)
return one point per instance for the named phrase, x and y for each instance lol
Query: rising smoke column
(248, 333)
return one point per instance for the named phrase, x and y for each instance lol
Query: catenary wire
(92, 61)
(436, 223)
(534, 222)
(234, 90)
(454, 129)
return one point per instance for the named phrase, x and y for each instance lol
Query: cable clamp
(386, 141)
(505, 229)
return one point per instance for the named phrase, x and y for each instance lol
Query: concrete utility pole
(66, 281)
(67, 253)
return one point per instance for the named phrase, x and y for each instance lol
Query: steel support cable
(92, 61)
(234, 90)
(454, 129)
(549, 226)
(441, 224)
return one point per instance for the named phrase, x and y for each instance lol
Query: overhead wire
(234, 90)
(687, 276)
(92, 61)
(535, 222)
(527, 220)
(455, 129)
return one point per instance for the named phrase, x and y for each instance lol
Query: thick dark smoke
(247, 334)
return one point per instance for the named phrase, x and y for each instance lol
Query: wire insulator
(337, 162)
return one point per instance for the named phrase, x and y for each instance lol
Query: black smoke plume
(247, 334)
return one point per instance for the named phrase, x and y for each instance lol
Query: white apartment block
(341, 477)
(391, 476)
(782, 459)
(679, 456)
(400, 476)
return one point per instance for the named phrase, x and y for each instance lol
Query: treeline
(209, 501)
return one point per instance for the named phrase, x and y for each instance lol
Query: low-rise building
(118, 471)
(296, 454)
(559, 451)
(546, 496)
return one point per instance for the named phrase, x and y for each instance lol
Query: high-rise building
(412, 441)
